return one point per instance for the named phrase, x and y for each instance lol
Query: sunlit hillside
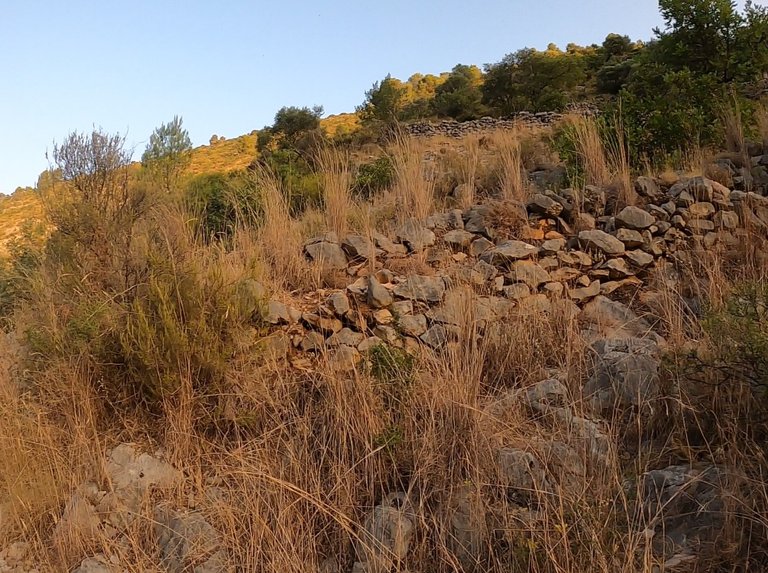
(16, 209)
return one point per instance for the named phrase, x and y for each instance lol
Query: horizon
(227, 71)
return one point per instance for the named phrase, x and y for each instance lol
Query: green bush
(373, 177)
(739, 334)
(220, 201)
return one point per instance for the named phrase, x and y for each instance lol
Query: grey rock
(329, 256)
(631, 238)
(436, 336)
(339, 304)
(386, 535)
(458, 239)
(422, 288)
(517, 291)
(626, 374)
(377, 295)
(413, 325)
(507, 252)
(635, 218)
(529, 273)
(479, 246)
(601, 241)
(345, 337)
(542, 205)
(358, 247)
(188, 542)
(415, 236)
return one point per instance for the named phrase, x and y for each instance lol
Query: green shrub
(220, 201)
(373, 177)
(739, 334)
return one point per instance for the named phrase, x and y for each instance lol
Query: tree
(168, 153)
(700, 35)
(293, 121)
(384, 102)
(460, 96)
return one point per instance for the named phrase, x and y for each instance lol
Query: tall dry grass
(336, 180)
(603, 155)
(513, 178)
(761, 116)
(415, 177)
(468, 169)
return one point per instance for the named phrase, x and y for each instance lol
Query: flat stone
(517, 291)
(479, 246)
(601, 241)
(529, 273)
(509, 251)
(458, 239)
(630, 238)
(632, 217)
(377, 295)
(413, 325)
(422, 288)
(584, 293)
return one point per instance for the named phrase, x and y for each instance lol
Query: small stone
(358, 247)
(435, 337)
(329, 256)
(383, 316)
(639, 258)
(542, 205)
(631, 238)
(345, 337)
(702, 210)
(338, 303)
(416, 236)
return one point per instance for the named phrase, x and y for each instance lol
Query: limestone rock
(635, 218)
(422, 288)
(601, 241)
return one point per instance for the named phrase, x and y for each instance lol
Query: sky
(227, 66)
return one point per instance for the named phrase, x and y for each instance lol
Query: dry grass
(414, 187)
(336, 180)
(513, 178)
(761, 116)
(468, 171)
(603, 156)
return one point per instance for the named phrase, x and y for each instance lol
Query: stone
(542, 205)
(386, 535)
(377, 295)
(279, 313)
(517, 291)
(639, 258)
(702, 210)
(402, 308)
(631, 238)
(339, 304)
(435, 337)
(421, 288)
(187, 540)
(415, 236)
(383, 316)
(325, 324)
(358, 247)
(126, 469)
(700, 226)
(565, 274)
(584, 293)
(507, 252)
(686, 508)
(369, 343)
(312, 341)
(602, 241)
(726, 220)
(634, 218)
(458, 239)
(554, 288)
(618, 268)
(96, 564)
(479, 246)
(529, 273)
(413, 325)
(329, 256)
(345, 337)
(552, 246)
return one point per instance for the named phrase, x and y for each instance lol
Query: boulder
(416, 236)
(507, 252)
(329, 256)
(634, 218)
(385, 536)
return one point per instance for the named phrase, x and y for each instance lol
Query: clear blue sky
(226, 66)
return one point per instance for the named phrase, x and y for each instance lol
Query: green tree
(700, 35)
(460, 96)
(384, 102)
(168, 153)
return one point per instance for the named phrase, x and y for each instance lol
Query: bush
(220, 201)
(739, 335)
(373, 177)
